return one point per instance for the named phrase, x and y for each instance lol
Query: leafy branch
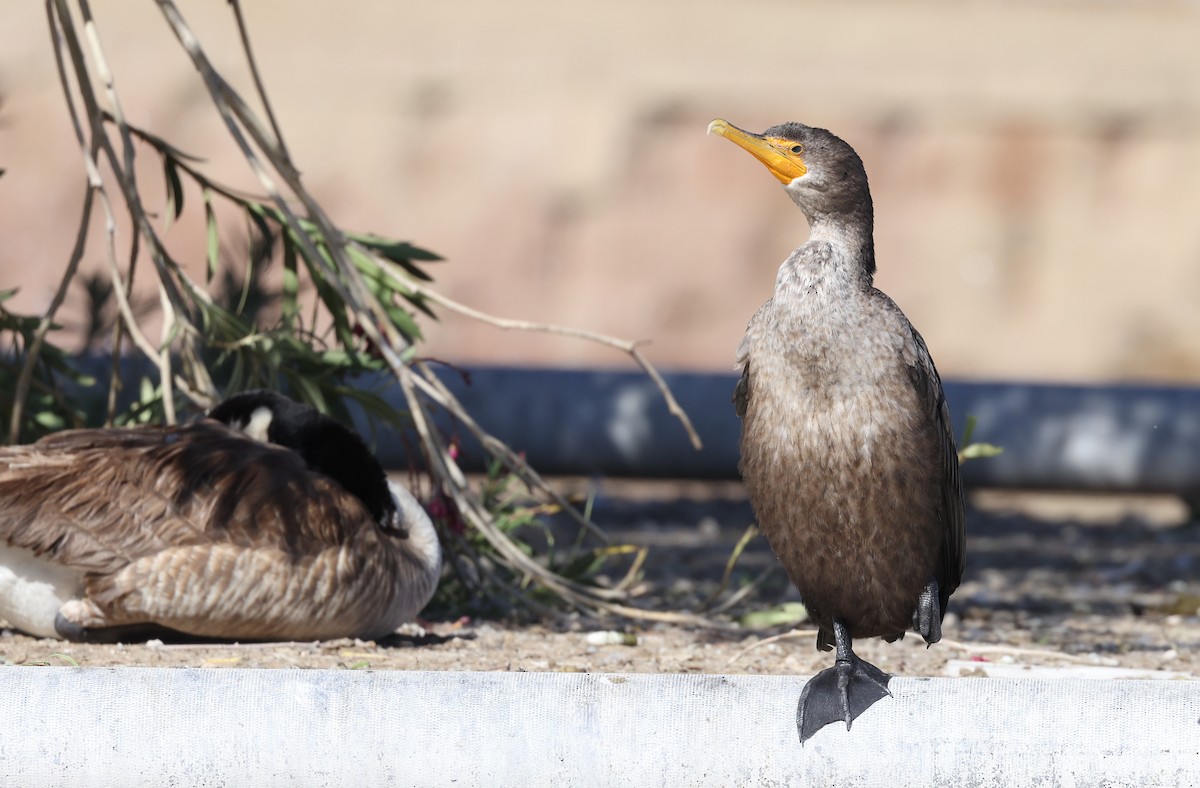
(368, 296)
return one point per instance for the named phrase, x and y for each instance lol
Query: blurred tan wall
(1035, 165)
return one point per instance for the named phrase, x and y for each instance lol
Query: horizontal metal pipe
(67, 727)
(1101, 438)
(605, 422)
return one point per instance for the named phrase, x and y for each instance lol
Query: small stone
(612, 638)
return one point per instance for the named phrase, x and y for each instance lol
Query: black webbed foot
(842, 692)
(927, 618)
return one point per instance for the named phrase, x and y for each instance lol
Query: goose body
(205, 530)
(846, 450)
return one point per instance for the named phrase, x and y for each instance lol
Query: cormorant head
(820, 171)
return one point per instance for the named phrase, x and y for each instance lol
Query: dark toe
(69, 630)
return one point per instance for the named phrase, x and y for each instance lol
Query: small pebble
(612, 638)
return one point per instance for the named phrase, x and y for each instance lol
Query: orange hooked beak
(784, 158)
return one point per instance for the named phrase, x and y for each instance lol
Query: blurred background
(1035, 165)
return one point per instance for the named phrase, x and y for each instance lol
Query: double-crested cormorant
(266, 521)
(847, 449)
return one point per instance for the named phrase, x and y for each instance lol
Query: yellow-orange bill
(774, 152)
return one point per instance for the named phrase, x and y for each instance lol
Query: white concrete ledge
(93, 727)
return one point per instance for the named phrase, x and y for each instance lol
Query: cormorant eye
(797, 148)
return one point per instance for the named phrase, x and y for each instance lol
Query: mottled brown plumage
(203, 530)
(847, 449)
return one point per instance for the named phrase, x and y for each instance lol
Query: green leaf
(291, 284)
(146, 390)
(970, 430)
(403, 321)
(258, 213)
(368, 266)
(419, 302)
(394, 250)
(979, 450)
(402, 254)
(174, 189)
(309, 391)
(972, 451)
(50, 420)
(214, 238)
(780, 615)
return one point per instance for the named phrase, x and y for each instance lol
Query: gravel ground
(1093, 585)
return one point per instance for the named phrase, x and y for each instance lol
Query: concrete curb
(154, 727)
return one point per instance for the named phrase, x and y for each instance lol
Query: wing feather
(99, 499)
(929, 390)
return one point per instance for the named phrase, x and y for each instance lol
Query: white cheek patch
(32, 589)
(259, 423)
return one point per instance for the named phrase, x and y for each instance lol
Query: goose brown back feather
(200, 529)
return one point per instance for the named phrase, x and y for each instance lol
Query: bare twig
(122, 167)
(127, 177)
(750, 533)
(433, 387)
(624, 345)
(258, 83)
(33, 351)
(63, 35)
(999, 648)
(795, 633)
(744, 591)
(958, 645)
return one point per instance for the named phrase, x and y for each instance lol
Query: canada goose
(847, 449)
(208, 530)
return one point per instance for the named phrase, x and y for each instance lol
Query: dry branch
(333, 259)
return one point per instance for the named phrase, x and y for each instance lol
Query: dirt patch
(1052, 582)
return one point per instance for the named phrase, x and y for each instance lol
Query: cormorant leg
(927, 618)
(842, 692)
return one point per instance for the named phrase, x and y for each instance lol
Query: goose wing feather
(99, 499)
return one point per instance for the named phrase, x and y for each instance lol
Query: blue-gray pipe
(1061, 437)
(1101, 438)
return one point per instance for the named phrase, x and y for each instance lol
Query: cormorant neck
(853, 231)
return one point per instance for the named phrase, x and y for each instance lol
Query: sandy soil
(1095, 586)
